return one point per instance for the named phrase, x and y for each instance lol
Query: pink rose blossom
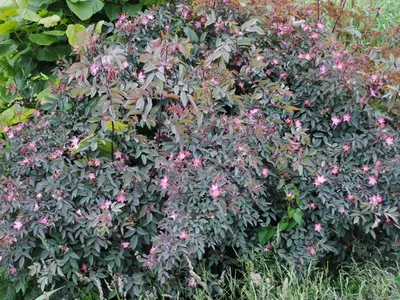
(117, 154)
(365, 168)
(307, 102)
(346, 117)
(390, 140)
(298, 123)
(152, 250)
(372, 180)
(313, 205)
(335, 120)
(183, 235)
(197, 163)
(265, 172)
(164, 183)
(321, 179)
(314, 36)
(320, 26)
(342, 211)
(335, 170)
(91, 176)
(215, 191)
(311, 251)
(125, 245)
(346, 148)
(350, 197)
(381, 122)
(74, 141)
(17, 225)
(322, 70)
(192, 281)
(375, 199)
(84, 267)
(318, 227)
(43, 221)
(36, 207)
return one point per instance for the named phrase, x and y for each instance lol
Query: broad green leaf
(43, 39)
(7, 47)
(28, 14)
(298, 216)
(41, 2)
(50, 21)
(53, 54)
(7, 14)
(191, 34)
(265, 234)
(112, 11)
(132, 9)
(84, 10)
(8, 26)
(15, 114)
(71, 32)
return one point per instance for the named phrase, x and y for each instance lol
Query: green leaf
(28, 14)
(50, 21)
(191, 34)
(112, 11)
(71, 32)
(98, 27)
(46, 295)
(53, 54)
(118, 126)
(8, 26)
(41, 2)
(84, 10)
(298, 216)
(265, 234)
(283, 224)
(43, 39)
(132, 9)
(7, 47)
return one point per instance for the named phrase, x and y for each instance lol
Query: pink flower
(192, 281)
(17, 225)
(335, 120)
(313, 205)
(311, 251)
(346, 148)
(12, 270)
(197, 163)
(390, 140)
(164, 183)
(215, 191)
(183, 235)
(372, 180)
(320, 26)
(350, 197)
(121, 197)
(36, 207)
(125, 245)
(5, 129)
(339, 66)
(43, 221)
(265, 172)
(84, 267)
(253, 111)
(321, 179)
(289, 195)
(375, 199)
(152, 249)
(307, 56)
(298, 123)
(259, 57)
(346, 117)
(94, 69)
(301, 56)
(74, 141)
(91, 176)
(275, 61)
(373, 78)
(318, 227)
(307, 102)
(125, 64)
(335, 170)
(322, 70)
(314, 36)
(117, 154)
(342, 211)
(381, 122)
(365, 168)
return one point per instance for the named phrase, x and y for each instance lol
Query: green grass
(265, 279)
(385, 13)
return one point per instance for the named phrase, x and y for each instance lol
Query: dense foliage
(193, 132)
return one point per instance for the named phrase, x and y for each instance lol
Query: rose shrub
(198, 132)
